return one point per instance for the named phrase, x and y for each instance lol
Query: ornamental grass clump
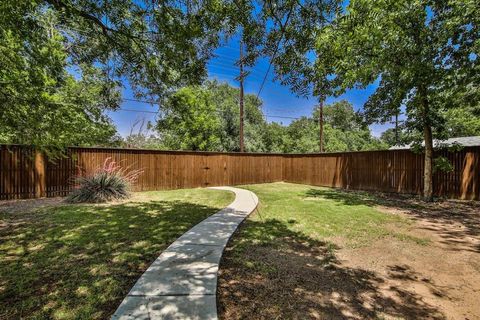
(107, 183)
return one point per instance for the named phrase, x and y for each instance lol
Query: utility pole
(396, 129)
(320, 122)
(241, 97)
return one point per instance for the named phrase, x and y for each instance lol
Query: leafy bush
(442, 164)
(109, 182)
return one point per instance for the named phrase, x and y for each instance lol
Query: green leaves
(158, 47)
(41, 104)
(62, 62)
(188, 121)
(207, 118)
(411, 47)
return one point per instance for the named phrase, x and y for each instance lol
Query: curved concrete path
(182, 282)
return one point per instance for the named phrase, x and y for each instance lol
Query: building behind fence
(25, 173)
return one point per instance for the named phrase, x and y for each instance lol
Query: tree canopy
(423, 53)
(63, 62)
(207, 118)
(51, 48)
(40, 102)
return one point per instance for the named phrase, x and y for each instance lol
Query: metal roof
(462, 141)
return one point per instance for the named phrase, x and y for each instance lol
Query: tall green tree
(226, 101)
(276, 138)
(341, 115)
(303, 136)
(394, 137)
(41, 103)
(416, 48)
(462, 121)
(207, 117)
(344, 130)
(62, 62)
(189, 122)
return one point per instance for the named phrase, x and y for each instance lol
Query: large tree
(276, 138)
(188, 121)
(206, 117)
(62, 62)
(41, 103)
(344, 130)
(423, 53)
(157, 46)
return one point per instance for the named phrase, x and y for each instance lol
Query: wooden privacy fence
(399, 171)
(25, 173)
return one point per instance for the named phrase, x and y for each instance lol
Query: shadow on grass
(78, 262)
(270, 272)
(455, 221)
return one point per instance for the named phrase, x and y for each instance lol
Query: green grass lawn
(79, 261)
(313, 216)
(284, 261)
(323, 213)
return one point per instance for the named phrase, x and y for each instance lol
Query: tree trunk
(40, 175)
(427, 176)
(427, 136)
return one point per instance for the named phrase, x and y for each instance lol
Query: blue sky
(278, 100)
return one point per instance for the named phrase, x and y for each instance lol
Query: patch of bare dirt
(16, 212)
(28, 205)
(300, 278)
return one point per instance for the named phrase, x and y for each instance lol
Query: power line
(282, 117)
(133, 110)
(280, 110)
(275, 51)
(221, 63)
(224, 75)
(228, 47)
(231, 67)
(252, 73)
(141, 101)
(233, 59)
(266, 115)
(156, 112)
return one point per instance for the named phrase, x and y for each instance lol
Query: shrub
(107, 183)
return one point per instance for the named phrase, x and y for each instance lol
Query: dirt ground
(389, 279)
(28, 205)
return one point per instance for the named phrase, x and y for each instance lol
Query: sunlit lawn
(323, 213)
(79, 261)
(283, 262)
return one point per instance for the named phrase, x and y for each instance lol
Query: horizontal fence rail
(25, 173)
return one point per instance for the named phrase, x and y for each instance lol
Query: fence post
(40, 175)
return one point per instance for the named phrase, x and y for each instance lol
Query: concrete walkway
(182, 282)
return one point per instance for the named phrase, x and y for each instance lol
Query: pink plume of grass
(110, 166)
